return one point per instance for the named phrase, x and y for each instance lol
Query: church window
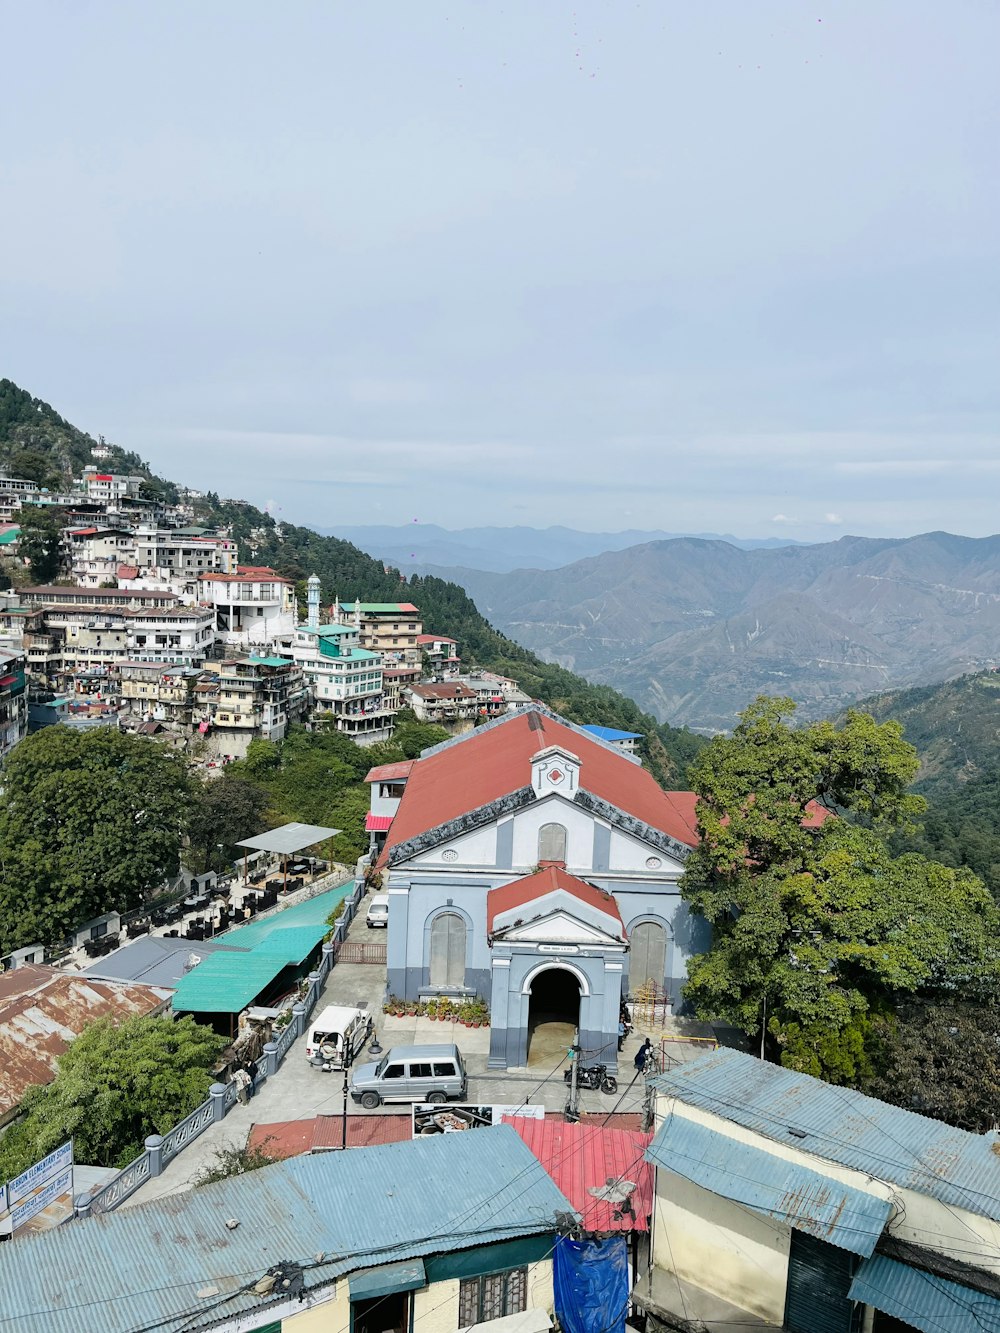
(552, 842)
(448, 943)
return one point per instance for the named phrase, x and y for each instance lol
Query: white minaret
(312, 585)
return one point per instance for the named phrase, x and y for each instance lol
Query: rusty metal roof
(43, 1009)
(795, 1194)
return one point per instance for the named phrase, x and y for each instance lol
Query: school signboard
(40, 1197)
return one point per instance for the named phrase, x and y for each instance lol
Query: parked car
(377, 915)
(335, 1036)
(411, 1074)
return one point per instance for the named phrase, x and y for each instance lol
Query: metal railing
(222, 1096)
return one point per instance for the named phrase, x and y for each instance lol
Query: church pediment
(555, 927)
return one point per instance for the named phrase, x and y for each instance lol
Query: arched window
(447, 961)
(552, 843)
(649, 955)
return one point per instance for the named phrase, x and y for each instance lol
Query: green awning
(368, 1283)
(922, 1300)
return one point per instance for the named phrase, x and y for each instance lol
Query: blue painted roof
(311, 912)
(924, 1300)
(789, 1191)
(610, 733)
(145, 1265)
(841, 1125)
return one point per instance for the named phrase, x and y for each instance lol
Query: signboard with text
(40, 1197)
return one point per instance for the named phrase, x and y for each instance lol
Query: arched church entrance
(553, 1015)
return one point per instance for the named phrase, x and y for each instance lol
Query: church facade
(536, 866)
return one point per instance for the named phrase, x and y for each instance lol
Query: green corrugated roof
(270, 661)
(313, 912)
(11, 535)
(225, 983)
(292, 943)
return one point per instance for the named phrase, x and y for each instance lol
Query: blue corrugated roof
(841, 1125)
(611, 733)
(924, 1300)
(146, 1265)
(805, 1199)
(313, 911)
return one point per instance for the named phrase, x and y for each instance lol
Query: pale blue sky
(725, 265)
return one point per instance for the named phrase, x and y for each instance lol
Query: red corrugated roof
(486, 765)
(128, 571)
(549, 880)
(377, 823)
(246, 574)
(290, 1138)
(582, 1157)
(434, 638)
(390, 772)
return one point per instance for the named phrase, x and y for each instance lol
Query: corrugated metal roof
(313, 911)
(145, 1265)
(292, 943)
(289, 1138)
(43, 1009)
(581, 1158)
(155, 960)
(289, 838)
(841, 1125)
(924, 1300)
(377, 823)
(225, 983)
(792, 1193)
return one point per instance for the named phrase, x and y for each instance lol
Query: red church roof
(550, 879)
(492, 763)
(390, 772)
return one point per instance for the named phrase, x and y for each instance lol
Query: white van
(378, 912)
(335, 1033)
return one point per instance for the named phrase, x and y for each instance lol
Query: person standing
(621, 1034)
(243, 1084)
(253, 1069)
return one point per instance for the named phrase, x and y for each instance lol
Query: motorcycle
(593, 1077)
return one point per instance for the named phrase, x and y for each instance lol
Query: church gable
(556, 927)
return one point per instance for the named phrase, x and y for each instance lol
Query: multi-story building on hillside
(441, 654)
(109, 487)
(13, 700)
(345, 681)
(185, 552)
(254, 607)
(154, 693)
(97, 552)
(258, 697)
(444, 702)
(390, 628)
(179, 634)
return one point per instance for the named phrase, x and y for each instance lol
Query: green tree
(39, 542)
(223, 812)
(90, 821)
(33, 465)
(812, 917)
(940, 1059)
(117, 1083)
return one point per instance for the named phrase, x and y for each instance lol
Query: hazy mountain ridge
(426, 548)
(695, 629)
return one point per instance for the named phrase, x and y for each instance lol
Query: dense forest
(955, 727)
(36, 442)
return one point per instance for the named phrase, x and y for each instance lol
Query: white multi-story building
(344, 680)
(186, 552)
(181, 635)
(109, 487)
(253, 606)
(97, 553)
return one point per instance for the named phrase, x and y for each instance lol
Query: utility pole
(348, 1056)
(573, 1109)
(763, 1026)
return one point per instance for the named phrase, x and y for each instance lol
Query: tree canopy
(39, 541)
(90, 821)
(224, 812)
(813, 916)
(117, 1083)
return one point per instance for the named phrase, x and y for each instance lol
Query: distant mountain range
(694, 629)
(418, 548)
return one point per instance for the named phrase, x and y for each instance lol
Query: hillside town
(153, 626)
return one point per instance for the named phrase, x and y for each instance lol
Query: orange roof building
(537, 866)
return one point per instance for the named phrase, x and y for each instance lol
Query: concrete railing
(159, 1150)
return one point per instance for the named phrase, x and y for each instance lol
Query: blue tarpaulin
(591, 1284)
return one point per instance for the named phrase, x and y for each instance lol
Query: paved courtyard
(299, 1090)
